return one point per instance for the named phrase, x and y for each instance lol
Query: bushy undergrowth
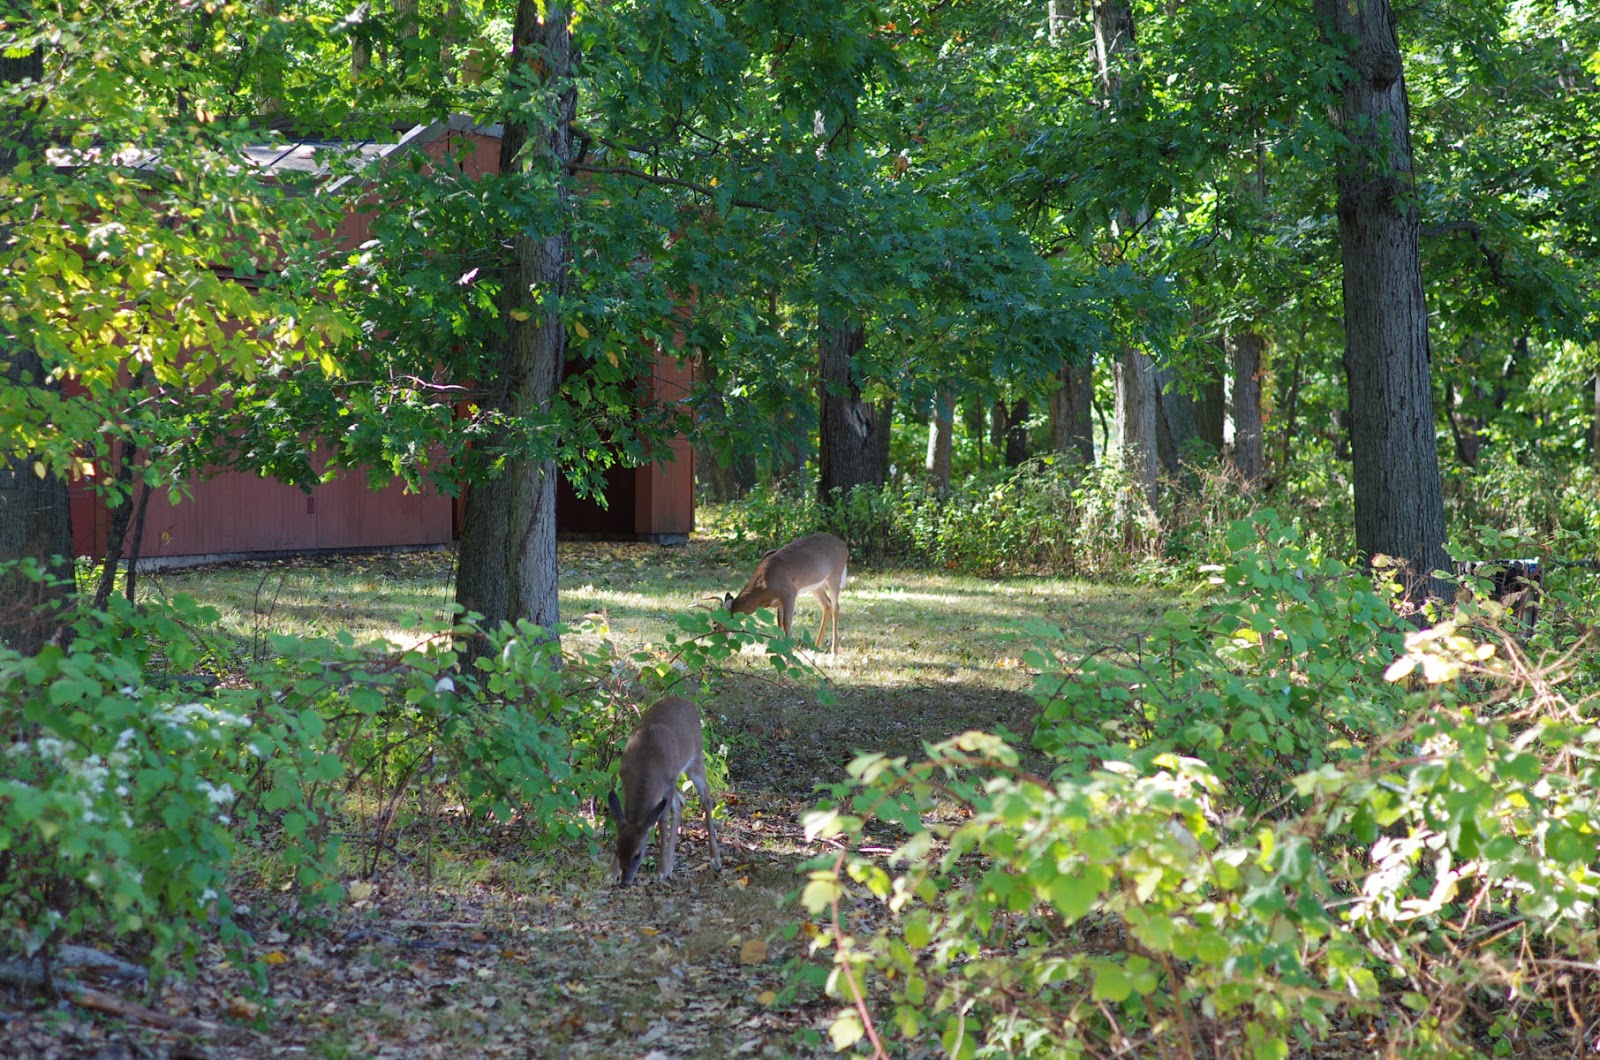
(1283, 815)
(135, 787)
(1045, 516)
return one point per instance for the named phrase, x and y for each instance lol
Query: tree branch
(671, 182)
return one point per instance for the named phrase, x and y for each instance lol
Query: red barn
(234, 515)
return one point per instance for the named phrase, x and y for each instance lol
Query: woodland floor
(470, 946)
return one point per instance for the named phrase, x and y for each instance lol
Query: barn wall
(236, 513)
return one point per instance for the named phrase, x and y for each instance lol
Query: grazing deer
(816, 563)
(665, 746)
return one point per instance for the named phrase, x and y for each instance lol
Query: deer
(815, 563)
(666, 745)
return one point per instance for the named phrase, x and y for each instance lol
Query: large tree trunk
(1176, 424)
(1132, 372)
(507, 568)
(1398, 497)
(35, 517)
(853, 447)
(1134, 377)
(1244, 355)
(1211, 405)
(1071, 425)
(941, 432)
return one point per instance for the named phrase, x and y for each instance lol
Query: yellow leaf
(582, 331)
(359, 891)
(611, 355)
(276, 957)
(767, 997)
(520, 314)
(652, 932)
(753, 952)
(38, 468)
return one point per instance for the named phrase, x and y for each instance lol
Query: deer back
(801, 564)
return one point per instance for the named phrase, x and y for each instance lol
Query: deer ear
(613, 807)
(655, 814)
(727, 601)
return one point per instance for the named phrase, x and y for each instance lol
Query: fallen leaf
(276, 957)
(753, 952)
(767, 997)
(240, 1009)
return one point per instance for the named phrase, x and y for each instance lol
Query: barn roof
(312, 155)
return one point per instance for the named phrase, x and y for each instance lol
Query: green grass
(922, 654)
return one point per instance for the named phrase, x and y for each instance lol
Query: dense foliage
(1276, 817)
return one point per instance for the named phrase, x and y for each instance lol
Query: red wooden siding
(235, 513)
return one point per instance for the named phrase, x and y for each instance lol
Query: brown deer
(665, 746)
(816, 563)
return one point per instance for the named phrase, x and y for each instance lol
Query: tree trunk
(1134, 378)
(972, 419)
(1211, 411)
(1132, 373)
(853, 444)
(507, 569)
(1594, 427)
(1176, 424)
(1244, 354)
(1016, 433)
(360, 47)
(1291, 407)
(35, 516)
(1399, 500)
(941, 429)
(1071, 428)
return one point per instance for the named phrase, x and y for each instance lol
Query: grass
(464, 945)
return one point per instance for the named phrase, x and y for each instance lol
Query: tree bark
(35, 516)
(1291, 407)
(1211, 411)
(1594, 427)
(360, 47)
(972, 419)
(507, 569)
(1071, 426)
(853, 446)
(941, 431)
(1399, 500)
(1176, 424)
(1244, 355)
(1016, 433)
(1133, 376)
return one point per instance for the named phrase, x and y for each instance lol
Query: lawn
(463, 944)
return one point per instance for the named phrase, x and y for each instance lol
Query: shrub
(1277, 669)
(1394, 831)
(126, 790)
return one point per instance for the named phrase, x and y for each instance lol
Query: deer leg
(697, 774)
(671, 823)
(828, 610)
